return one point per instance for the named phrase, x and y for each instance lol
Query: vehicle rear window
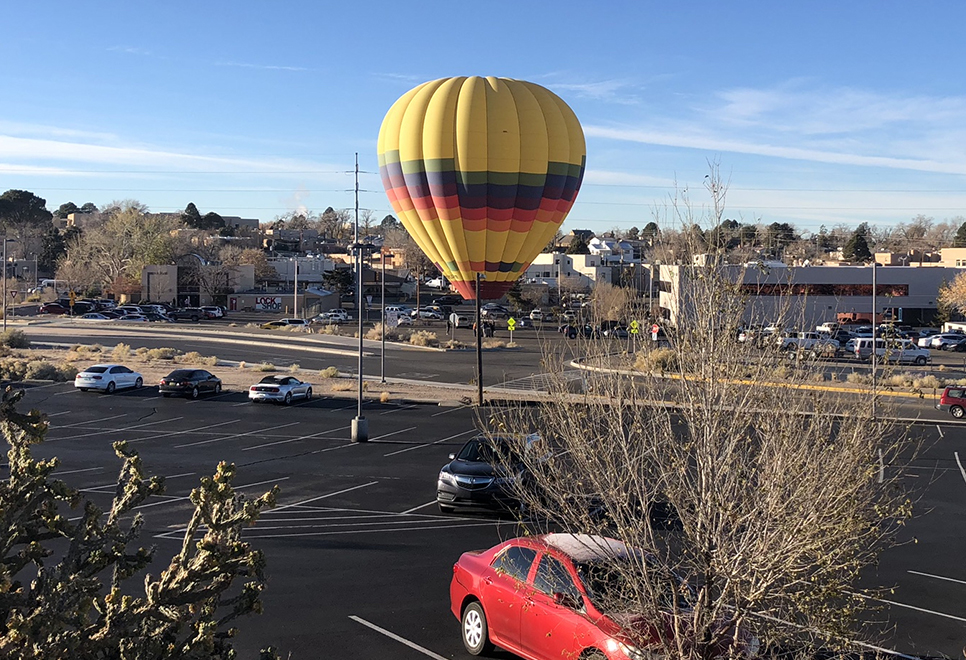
(181, 373)
(95, 370)
(270, 379)
(955, 393)
(515, 562)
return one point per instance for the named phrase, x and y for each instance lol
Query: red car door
(553, 624)
(502, 591)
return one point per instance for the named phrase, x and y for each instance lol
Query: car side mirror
(566, 600)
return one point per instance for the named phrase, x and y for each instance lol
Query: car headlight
(447, 477)
(629, 650)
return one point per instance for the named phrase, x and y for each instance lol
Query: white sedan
(279, 389)
(107, 378)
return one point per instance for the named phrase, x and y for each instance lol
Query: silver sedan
(279, 389)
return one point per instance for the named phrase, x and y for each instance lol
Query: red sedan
(541, 598)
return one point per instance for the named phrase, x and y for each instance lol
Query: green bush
(43, 370)
(15, 339)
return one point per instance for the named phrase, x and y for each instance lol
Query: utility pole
(360, 425)
(382, 302)
(479, 343)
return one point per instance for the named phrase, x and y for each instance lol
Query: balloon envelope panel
(481, 172)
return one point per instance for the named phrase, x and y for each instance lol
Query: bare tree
(755, 499)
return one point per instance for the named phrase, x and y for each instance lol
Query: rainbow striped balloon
(482, 173)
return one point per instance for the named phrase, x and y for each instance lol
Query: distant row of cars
(191, 383)
(108, 310)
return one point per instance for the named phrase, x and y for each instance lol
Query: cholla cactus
(76, 605)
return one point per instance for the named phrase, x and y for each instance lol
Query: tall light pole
(295, 298)
(360, 425)
(875, 332)
(382, 303)
(479, 344)
(5, 241)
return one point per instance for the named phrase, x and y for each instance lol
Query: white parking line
(959, 463)
(239, 435)
(448, 411)
(322, 497)
(940, 429)
(401, 640)
(417, 508)
(57, 414)
(168, 434)
(124, 430)
(76, 471)
(301, 437)
(400, 408)
(92, 421)
(913, 607)
(938, 577)
(430, 444)
(386, 435)
(378, 530)
(173, 498)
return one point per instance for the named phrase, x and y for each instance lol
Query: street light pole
(360, 425)
(382, 303)
(5, 241)
(295, 299)
(479, 343)
(875, 332)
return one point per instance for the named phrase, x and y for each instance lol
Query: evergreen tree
(960, 239)
(857, 247)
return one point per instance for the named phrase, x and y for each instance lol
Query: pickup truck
(807, 342)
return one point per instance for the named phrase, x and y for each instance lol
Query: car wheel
(217, 388)
(111, 387)
(82, 389)
(475, 634)
(308, 394)
(921, 360)
(956, 411)
(943, 347)
(194, 319)
(138, 383)
(166, 395)
(195, 392)
(288, 399)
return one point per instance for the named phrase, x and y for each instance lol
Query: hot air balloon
(482, 173)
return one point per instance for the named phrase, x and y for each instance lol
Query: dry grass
(329, 372)
(265, 367)
(424, 338)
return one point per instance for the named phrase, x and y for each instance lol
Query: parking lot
(358, 556)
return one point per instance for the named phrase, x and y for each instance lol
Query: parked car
(189, 382)
(107, 377)
(279, 389)
(427, 313)
(133, 318)
(448, 300)
(536, 315)
(946, 340)
(924, 337)
(193, 314)
(331, 316)
(953, 400)
(156, 317)
(901, 351)
(560, 596)
(95, 316)
(213, 311)
(484, 473)
(285, 323)
(54, 308)
(437, 283)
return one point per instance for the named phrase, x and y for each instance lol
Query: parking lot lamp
(360, 425)
(479, 343)
(875, 332)
(382, 302)
(5, 241)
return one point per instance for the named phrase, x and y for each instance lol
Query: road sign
(13, 294)
(511, 324)
(635, 327)
(392, 318)
(654, 330)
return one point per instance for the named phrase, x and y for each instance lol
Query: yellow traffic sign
(635, 327)
(511, 323)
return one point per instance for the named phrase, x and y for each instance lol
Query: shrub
(926, 383)
(13, 369)
(43, 370)
(494, 343)
(859, 379)
(15, 339)
(194, 357)
(242, 364)
(659, 359)
(164, 353)
(121, 352)
(375, 333)
(329, 329)
(343, 387)
(293, 368)
(454, 344)
(423, 338)
(384, 397)
(329, 372)
(265, 366)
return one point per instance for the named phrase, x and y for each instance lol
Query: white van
(898, 351)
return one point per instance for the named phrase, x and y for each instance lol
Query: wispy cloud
(131, 50)
(842, 126)
(262, 67)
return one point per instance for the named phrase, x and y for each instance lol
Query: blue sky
(817, 113)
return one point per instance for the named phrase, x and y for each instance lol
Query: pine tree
(857, 247)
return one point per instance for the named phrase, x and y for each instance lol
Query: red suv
(953, 399)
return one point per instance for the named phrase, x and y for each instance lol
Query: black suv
(188, 314)
(443, 301)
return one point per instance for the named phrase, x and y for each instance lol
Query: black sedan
(189, 382)
(487, 473)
